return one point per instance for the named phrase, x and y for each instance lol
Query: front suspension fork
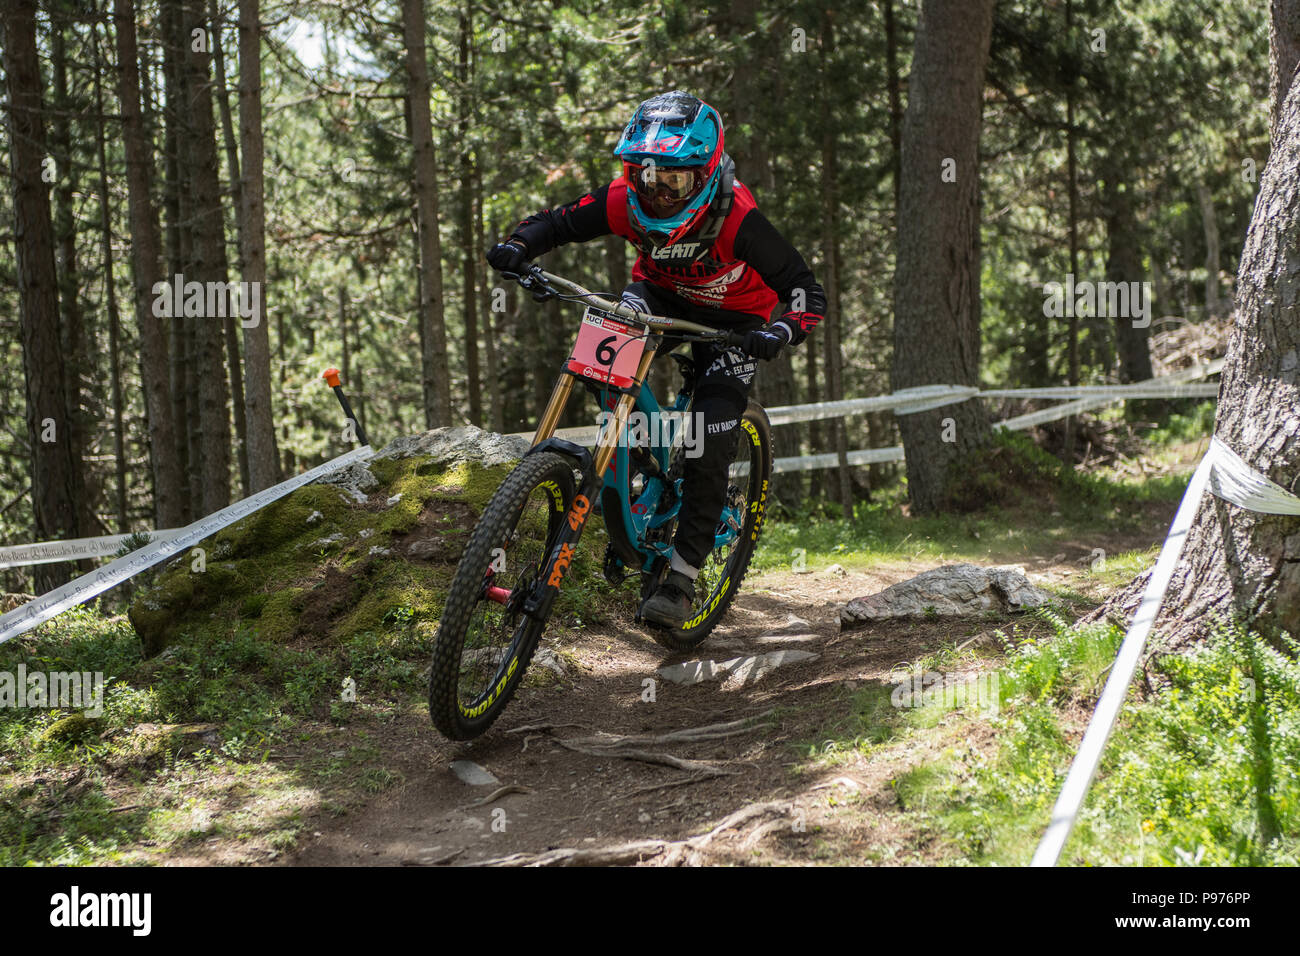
(538, 603)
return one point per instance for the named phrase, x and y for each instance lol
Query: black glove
(507, 256)
(766, 343)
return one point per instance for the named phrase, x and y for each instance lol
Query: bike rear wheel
(485, 641)
(723, 570)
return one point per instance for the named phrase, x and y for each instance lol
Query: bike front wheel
(485, 641)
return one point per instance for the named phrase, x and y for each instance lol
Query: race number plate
(607, 350)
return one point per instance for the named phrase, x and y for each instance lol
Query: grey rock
(737, 672)
(785, 638)
(460, 443)
(471, 773)
(553, 662)
(427, 549)
(354, 481)
(952, 590)
(795, 630)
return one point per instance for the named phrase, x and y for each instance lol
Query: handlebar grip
(735, 338)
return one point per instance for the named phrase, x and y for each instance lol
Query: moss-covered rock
(74, 729)
(323, 566)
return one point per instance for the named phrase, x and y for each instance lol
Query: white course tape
(1099, 729)
(927, 397)
(87, 586)
(1234, 480)
(73, 549)
(1227, 475)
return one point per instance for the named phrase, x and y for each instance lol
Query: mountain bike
(518, 555)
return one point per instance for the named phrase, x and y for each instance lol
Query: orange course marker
(331, 376)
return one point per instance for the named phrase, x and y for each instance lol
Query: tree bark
(471, 254)
(1124, 264)
(116, 395)
(1238, 563)
(1210, 224)
(490, 346)
(1284, 55)
(435, 373)
(146, 268)
(936, 284)
(209, 259)
(233, 361)
(263, 456)
(832, 330)
(895, 99)
(73, 327)
(52, 467)
(1072, 189)
(177, 199)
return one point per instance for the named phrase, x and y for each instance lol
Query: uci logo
(682, 250)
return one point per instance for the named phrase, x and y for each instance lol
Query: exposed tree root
(662, 852)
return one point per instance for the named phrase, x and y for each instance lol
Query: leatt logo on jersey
(681, 250)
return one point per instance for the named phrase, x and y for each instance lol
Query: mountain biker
(707, 255)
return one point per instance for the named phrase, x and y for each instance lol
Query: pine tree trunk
(490, 345)
(832, 329)
(1238, 563)
(936, 284)
(52, 467)
(1284, 54)
(435, 373)
(233, 361)
(895, 99)
(263, 457)
(209, 261)
(116, 395)
(146, 265)
(73, 332)
(177, 199)
(469, 275)
(818, 484)
(1072, 191)
(1124, 264)
(1210, 224)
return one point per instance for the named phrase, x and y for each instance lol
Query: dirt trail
(577, 802)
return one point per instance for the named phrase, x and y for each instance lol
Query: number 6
(604, 354)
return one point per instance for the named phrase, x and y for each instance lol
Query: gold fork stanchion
(609, 438)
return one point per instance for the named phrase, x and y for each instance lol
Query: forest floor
(797, 767)
(599, 758)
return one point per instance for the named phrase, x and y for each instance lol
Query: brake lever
(531, 280)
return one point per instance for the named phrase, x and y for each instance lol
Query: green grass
(1206, 769)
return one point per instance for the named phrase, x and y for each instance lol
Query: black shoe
(670, 605)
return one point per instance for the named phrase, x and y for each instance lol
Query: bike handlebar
(542, 285)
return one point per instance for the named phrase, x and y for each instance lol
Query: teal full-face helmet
(672, 160)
